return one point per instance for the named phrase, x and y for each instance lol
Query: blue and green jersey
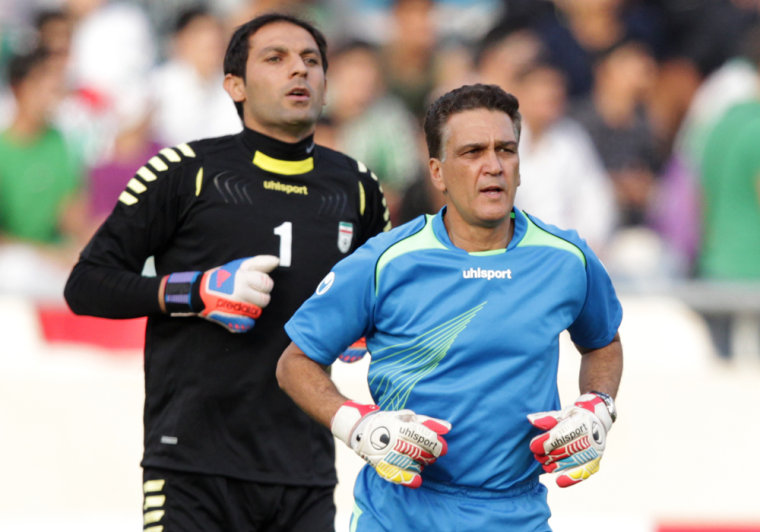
(472, 338)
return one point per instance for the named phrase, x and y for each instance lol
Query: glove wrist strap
(181, 294)
(347, 417)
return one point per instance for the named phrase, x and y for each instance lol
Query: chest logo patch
(345, 236)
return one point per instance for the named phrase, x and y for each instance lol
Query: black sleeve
(107, 280)
(375, 217)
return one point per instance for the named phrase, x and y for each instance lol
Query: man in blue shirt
(462, 312)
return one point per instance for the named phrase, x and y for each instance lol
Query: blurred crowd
(641, 118)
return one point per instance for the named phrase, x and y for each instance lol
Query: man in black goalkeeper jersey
(235, 224)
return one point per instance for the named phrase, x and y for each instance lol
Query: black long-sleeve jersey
(212, 403)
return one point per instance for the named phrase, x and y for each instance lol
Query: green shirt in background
(35, 177)
(731, 206)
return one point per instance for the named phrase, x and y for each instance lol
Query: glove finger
(423, 437)
(254, 297)
(261, 263)
(235, 323)
(255, 280)
(397, 475)
(578, 474)
(545, 420)
(440, 426)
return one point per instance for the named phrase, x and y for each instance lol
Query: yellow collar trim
(278, 166)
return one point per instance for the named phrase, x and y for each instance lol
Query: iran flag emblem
(345, 236)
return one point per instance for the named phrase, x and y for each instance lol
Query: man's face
(284, 89)
(480, 170)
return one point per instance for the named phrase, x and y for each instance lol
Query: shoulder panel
(423, 238)
(539, 236)
(166, 159)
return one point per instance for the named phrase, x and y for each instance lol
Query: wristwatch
(609, 402)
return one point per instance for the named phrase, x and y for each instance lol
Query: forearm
(111, 293)
(601, 369)
(309, 385)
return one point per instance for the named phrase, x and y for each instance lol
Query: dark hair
(188, 15)
(20, 66)
(43, 16)
(467, 98)
(236, 56)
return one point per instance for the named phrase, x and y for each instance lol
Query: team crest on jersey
(345, 236)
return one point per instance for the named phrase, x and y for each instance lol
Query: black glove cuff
(182, 293)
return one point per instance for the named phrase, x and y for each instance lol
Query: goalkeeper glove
(231, 295)
(354, 352)
(575, 438)
(397, 443)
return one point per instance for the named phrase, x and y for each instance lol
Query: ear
(235, 87)
(436, 174)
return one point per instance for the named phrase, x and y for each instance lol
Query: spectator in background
(576, 32)
(563, 179)
(189, 100)
(730, 177)
(42, 219)
(54, 30)
(676, 214)
(370, 124)
(112, 45)
(615, 116)
(408, 54)
(133, 145)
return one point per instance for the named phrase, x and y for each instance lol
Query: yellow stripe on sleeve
(127, 198)
(171, 155)
(157, 163)
(186, 150)
(362, 199)
(136, 186)
(146, 174)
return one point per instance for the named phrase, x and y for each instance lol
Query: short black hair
(188, 15)
(467, 98)
(236, 56)
(21, 65)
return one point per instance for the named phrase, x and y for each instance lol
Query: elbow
(281, 372)
(69, 295)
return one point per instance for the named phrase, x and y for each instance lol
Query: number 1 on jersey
(285, 232)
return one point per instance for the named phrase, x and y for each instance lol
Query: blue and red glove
(575, 438)
(231, 295)
(355, 351)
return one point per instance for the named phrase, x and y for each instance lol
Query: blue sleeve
(340, 310)
(600, 317)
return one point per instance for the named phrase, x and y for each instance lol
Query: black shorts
(187, 502)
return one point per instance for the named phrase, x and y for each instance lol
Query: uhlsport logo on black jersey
(482, 273)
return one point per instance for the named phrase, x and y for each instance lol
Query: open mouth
(491, 191)
(301, 93)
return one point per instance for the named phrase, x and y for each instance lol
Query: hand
(231, 295)
(354, 352)
(397, 443)
(575, 439)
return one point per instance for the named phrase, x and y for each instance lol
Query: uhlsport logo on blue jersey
(481, 273)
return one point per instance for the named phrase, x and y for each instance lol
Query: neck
(473, 238)
(26, 126)
(615, 107)
(283, 133)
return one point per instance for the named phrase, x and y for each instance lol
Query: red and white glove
(231, 295)
(397, 443)
(575, 438)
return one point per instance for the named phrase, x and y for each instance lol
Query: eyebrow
(283, 49)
